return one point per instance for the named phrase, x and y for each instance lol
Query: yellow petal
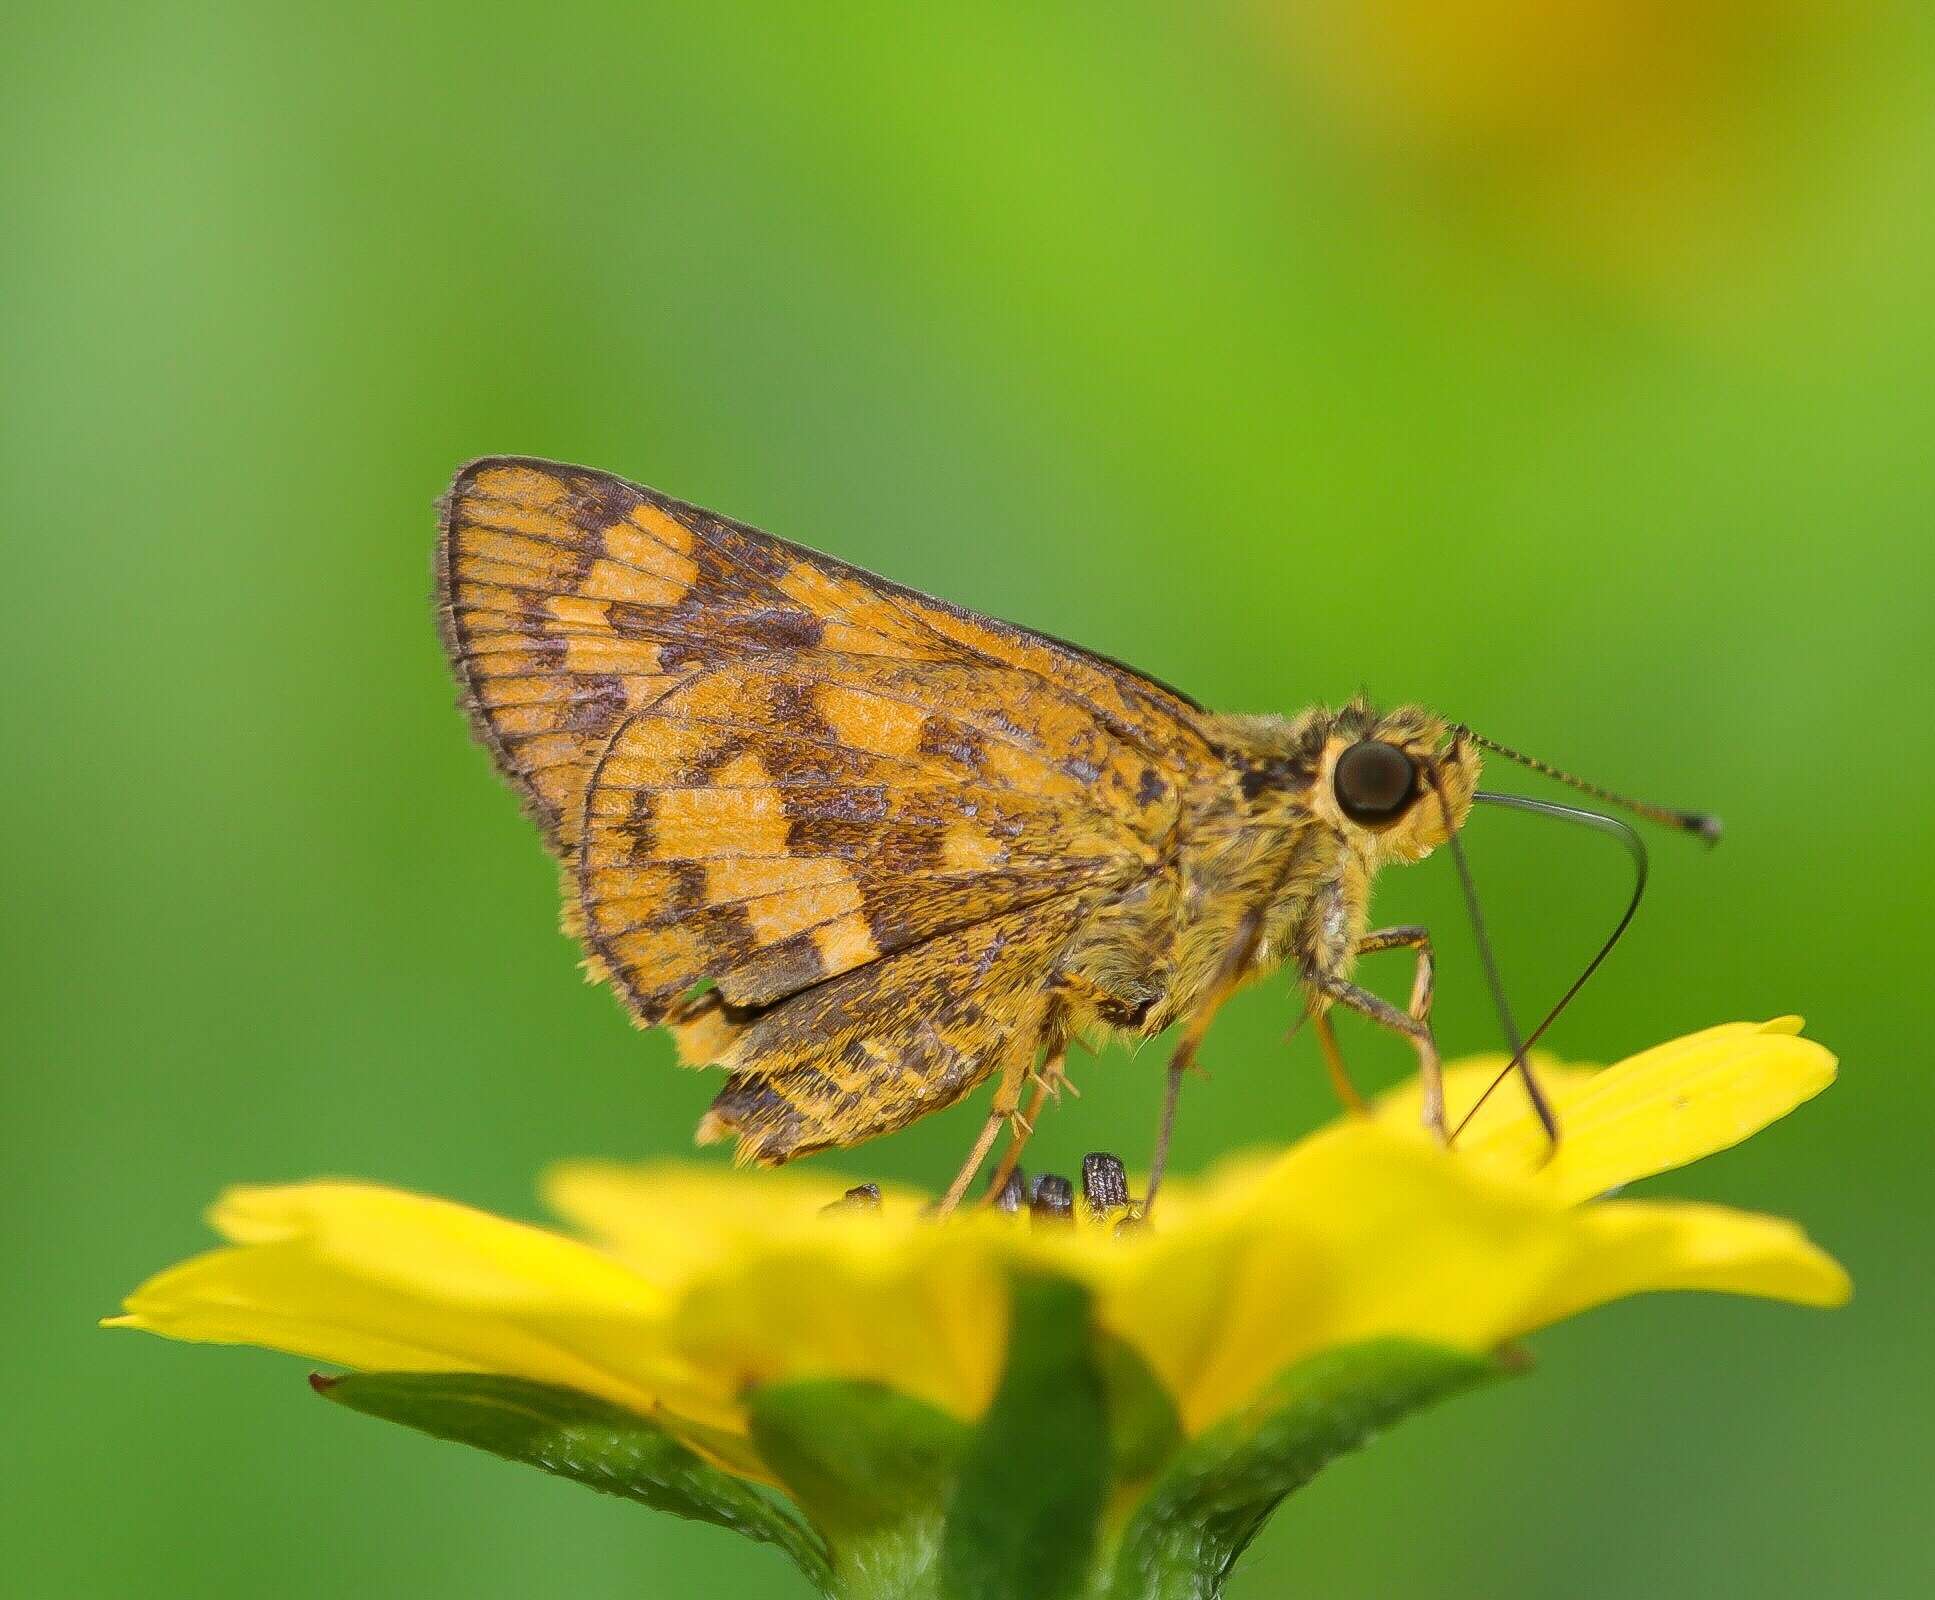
(1669, 1106)
(278, 1298)
(924, 1312)
(772, 1288)
(669, 1220)
(1632, 1246)
(1360, 1232)
(1365, 1231)
(1503, 1112)
(437, 1247)
(379, 1280)
(1652, 1112)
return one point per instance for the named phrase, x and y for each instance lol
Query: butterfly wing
(864, 819)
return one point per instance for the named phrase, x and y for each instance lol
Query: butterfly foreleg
(1414, 1024)
(1408, 938)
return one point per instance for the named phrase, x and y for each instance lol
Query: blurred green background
(1569, 367)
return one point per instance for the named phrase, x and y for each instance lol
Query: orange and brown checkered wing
(571, 599)
(886, 1043)
(778, 822)
(767, 773)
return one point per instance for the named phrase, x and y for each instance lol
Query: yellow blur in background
(1654, 147)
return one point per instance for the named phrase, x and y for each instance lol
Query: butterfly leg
(1045, 1082)
(1408, 938)
(1007, 1100)
(1347, 1094)
(1236, 959)
(1414, 1028)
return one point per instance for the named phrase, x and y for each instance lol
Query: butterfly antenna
(1635, 847)
(1533, 1092)
(1703, 823)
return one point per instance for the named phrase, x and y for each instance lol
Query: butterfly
(863, 850)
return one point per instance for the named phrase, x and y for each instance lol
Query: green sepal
(579, 1437)
(1144, 1430)
(1024, 1517)
(856, 1455)
(873, 1469)
(1217, 1493)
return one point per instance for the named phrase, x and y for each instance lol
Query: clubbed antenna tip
(1705, 824)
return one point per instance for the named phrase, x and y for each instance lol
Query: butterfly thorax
(1260, 837)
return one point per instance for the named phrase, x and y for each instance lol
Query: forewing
(571, 599)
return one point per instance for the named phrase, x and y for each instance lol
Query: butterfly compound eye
(1374, 782)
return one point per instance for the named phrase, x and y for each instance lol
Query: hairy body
(1256, 835)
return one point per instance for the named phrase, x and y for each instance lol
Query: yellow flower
(688, 1291)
